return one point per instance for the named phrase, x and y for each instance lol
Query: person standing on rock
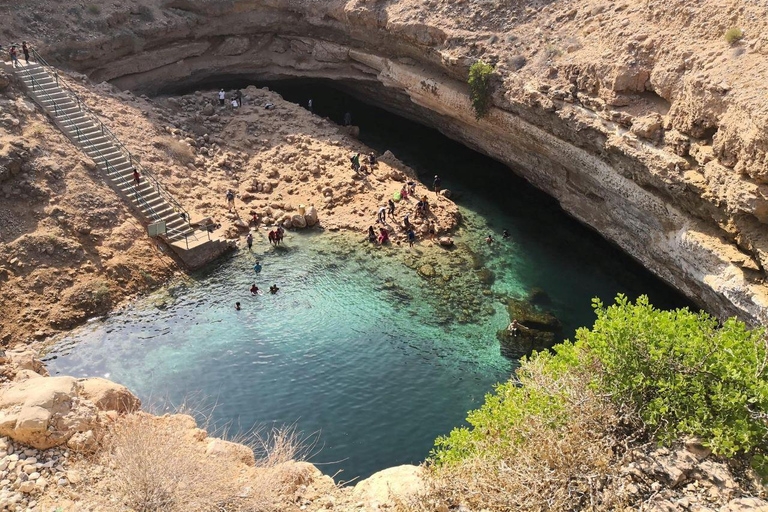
(222, 97)
(355, 159)
(371, 234)
(14, 56)
(407, 221)
(249, 240)
(230, 199)
(382, 215)
(310, 106)
(391, 209)
(347, 119)
(136, 177)
(239, 97)
(436, 185)
(25, 50)
(432, 231)
(411, 237)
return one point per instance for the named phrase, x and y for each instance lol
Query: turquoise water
(356, 349)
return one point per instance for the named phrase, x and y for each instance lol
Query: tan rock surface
(572, 79)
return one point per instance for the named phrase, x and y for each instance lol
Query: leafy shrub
(733, 35)
(683, 373)
(94, 9)
(678, 371)
(479, 81)
(541, 442)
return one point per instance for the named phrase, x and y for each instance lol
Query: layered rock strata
(635, 117)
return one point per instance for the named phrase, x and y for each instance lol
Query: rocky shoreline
(643, 145)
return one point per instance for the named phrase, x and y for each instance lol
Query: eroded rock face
(44, 412)
(108, 395)
(654, 149)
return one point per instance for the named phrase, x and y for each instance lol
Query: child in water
(273, 289)
(254, 289)
(237, 306)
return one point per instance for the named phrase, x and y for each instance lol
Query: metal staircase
(149, 198)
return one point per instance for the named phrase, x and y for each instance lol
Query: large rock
(311, 216)
(108, 395)
(44, 413)
(383, 488)
(229, 450)
(298, 221)
(532, 317)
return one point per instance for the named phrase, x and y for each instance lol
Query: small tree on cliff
(480, 87)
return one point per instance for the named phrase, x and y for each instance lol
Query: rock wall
(625, 141)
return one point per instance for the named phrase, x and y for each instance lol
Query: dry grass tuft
(155, 464)
(552, 467)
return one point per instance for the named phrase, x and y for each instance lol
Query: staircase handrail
(106, 131)
(80, 136)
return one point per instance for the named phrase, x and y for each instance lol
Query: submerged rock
(533, 318)
(427, 271)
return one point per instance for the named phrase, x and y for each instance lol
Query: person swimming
(273, 289)
(254, 289)
(489, 239)
(257, 267)
(237, 306)
(505, 234)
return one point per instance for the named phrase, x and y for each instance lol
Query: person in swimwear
(254, 289)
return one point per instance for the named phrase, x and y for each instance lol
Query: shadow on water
(353, 346)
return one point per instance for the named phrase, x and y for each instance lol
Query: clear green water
(357, 347)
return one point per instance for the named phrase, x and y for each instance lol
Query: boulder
(382, 489)
(298, 221)
(44, 413)
(108, 395)
(311, 216)
(532, 317)
(427, 270)
(208, 110)
(232, 451)
(22, 359)
(446, 241)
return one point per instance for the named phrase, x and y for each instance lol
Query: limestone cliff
(638, 117)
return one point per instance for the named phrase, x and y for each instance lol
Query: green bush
(479, 81)
(733, 34)
(94, 9)
(683, 373)
(679, 372)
